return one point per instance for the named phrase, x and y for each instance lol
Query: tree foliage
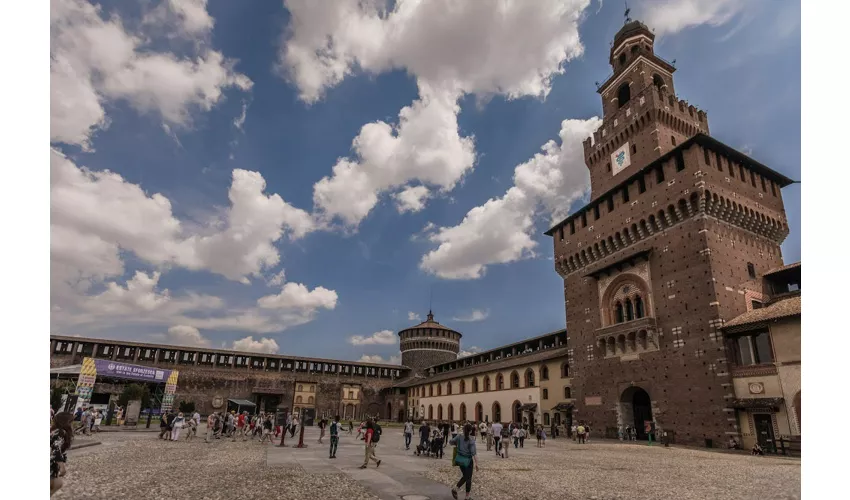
(133, 392)
(187, 406)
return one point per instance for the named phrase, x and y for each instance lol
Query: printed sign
(620, 159)
(108, 368)
(593, 400)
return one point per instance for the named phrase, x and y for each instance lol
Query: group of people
(497, 436)
(90, 419)
(581, 432)
(232, 425)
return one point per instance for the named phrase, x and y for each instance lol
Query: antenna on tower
(430, 299)
(626, 14)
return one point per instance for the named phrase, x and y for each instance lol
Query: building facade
(764, 346)
(674, 242)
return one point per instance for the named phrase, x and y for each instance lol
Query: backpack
(376, 433)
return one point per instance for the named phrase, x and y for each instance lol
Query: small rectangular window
(707, 157)
(743, 177)
(659, 174)
(634, 149)
(717, 160)
(572, 227)
(626, 193)
(673, 140)
(596, 212)
(610, 204)
(731, 170)
(608, 165)
(751, 269)
(772, 188)
(561, 233)
(763, 186)
(680, 162)
(584, 219)
(753, 178)
(641, 185)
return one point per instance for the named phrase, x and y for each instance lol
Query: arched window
(312, 388)
(497, 412)
(514, 380)
(439, 389)
(463, 386)
(449, 388)
(300, 388)
(568, 393)
(622, 58)
(565, 370)
(451, 412)
(619, 313)
(431, 391)
(624, 92)
(545, 393)
(638, 307)
(544, 373)
(545, 419)
(298, 399)
(529, 378)
(475, 384)
(310, 400)
(430, 412)
(500, 382)
(439, 412)
(657, 81)
(486, 383)
(630, 313)
(462, 412)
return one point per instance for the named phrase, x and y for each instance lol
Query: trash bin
(709, 443)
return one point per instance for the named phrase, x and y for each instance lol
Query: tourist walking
(496, 432)
(97, 419)
(120, 415)
(539, 435)
(587, 432)
(445, 428)
(454, 430)
(335, 427)
(176, 426)
(465, 459)
(191, 429)
(408, 433)
(350, 426)
(210, 427)
(424, 432)
(483, 432)
(322, 424)
(266, 429)
(371, 440)
(506, 441)
(61, 436)
(197, 418)
(580, 432)
(515, 436)
(164, 431)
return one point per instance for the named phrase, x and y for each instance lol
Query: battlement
(652, 102)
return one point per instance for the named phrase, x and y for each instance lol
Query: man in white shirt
(496, 430)
(482, 431)
(408, 433)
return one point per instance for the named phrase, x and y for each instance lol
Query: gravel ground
(604, 471)
(129, 464)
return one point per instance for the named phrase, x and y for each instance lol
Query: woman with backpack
(465, 459)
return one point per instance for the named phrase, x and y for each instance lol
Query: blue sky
(354, 268)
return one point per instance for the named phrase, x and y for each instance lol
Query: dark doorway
(401, 415)
(497, 412)
(389, 411)
(764, 431)
(309, 417)
(479, 413)
(642, 407)
(516, 412)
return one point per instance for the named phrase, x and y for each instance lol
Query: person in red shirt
(370, 447)
(240, 426)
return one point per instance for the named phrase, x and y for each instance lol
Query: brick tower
(675, 238)
(428, 343)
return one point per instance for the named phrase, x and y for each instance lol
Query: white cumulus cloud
(188, 336)
(383, 337)
(672, 16)
(501, 230)
(375, 358)
(412, 316)
(469, 352)
(474, 315)
(95, 60)
(263, 345)
(451, 49)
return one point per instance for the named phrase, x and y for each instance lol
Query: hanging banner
(85, 382)
(620, 159)
(109, 368)
(170, 388)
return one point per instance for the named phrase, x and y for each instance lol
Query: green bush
(187, 406)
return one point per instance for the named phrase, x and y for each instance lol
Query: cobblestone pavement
(606, 470)
(134, 464)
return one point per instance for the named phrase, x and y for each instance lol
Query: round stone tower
(428, 343)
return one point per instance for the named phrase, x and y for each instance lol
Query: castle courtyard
(129, 463)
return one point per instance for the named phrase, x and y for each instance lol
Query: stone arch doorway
(348, 412)
(635, 409)
(401, 415)
(516, 412)
(497, 412)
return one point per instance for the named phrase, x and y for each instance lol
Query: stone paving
(132, 463)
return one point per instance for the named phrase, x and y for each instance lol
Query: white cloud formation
(297, 296)
(95, 215)
(95, 60)
(412, 316)
(452, 49)
(671, 16)
(277, 279)
(412, 199)
(263, 345)
(469, 352)
(474, 315)
(500, 230)
(510, 48)
(383, 337)
(389, 157)
(375, 358)
(188, 336)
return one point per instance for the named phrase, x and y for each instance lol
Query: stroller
(423, 448)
